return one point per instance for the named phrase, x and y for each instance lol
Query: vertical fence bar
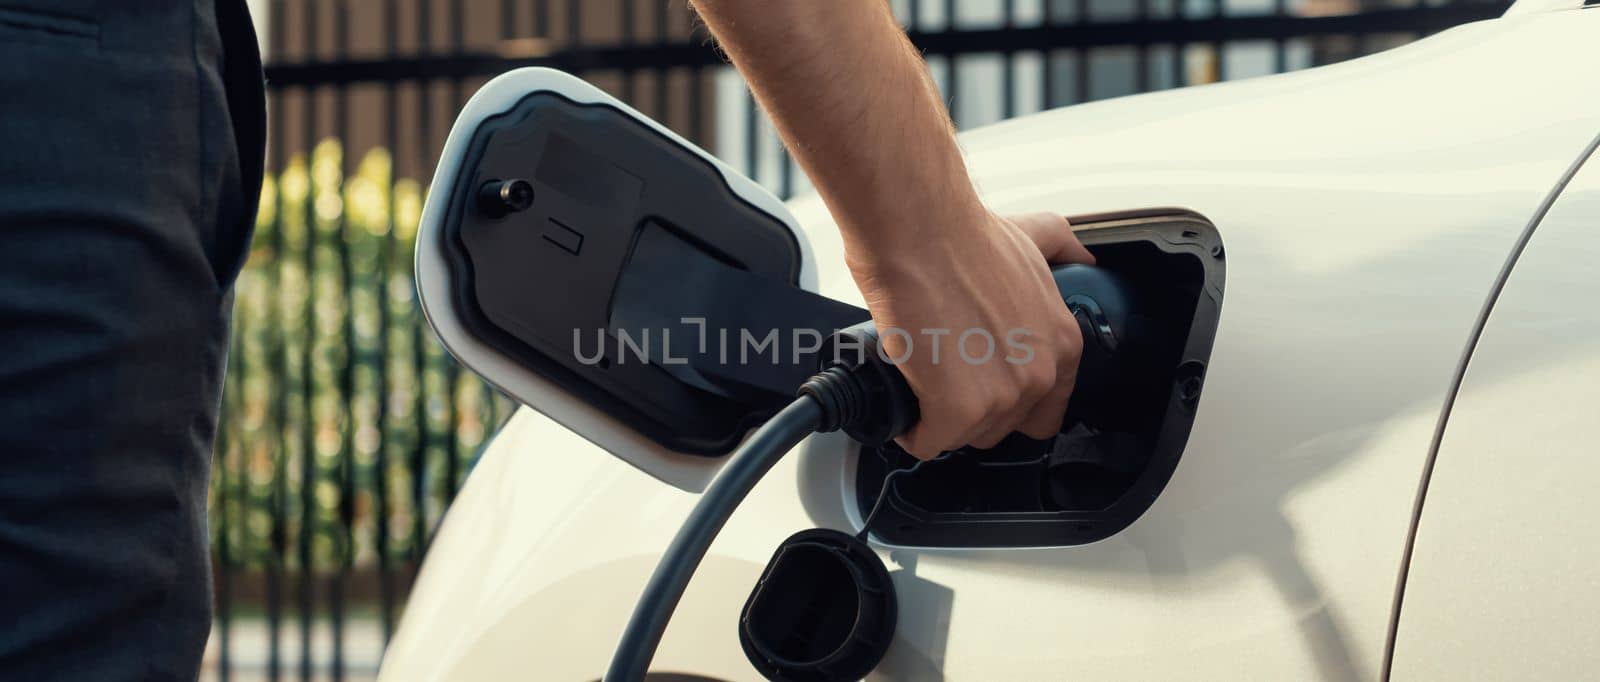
(1179, 58)
(697, 91)
(380, 459)
(278, 500)
(225, 442)
(574, 23)
(785, 162)
(1008, 63)
(1047, 59)
(628, 38)
(419, 354)
(785, 172)
(697, 113)
(752, 135)
(1180, 64)
(347, 427)
(452, 371)
(246, 555)
(277, 348)
(541, 18)
(308, 340)
(1141, 53)
(1080, 84)
(1280, 48)
(1220, 69)
(952, 70)
(663, 31)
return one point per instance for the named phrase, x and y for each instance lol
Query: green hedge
(326, 327)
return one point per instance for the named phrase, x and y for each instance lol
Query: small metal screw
(498, 198)
(1189, 388)
(1190, 381)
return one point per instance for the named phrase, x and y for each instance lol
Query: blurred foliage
(342, 418)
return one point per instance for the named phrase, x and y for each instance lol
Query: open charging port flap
(628, 231)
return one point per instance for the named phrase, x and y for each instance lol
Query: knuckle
(1028, 393)
(968, 414)
(1045, 365)
(1070, 351)
(955, 417)
(1004, 399)
(1057, 397)
(1038, 383)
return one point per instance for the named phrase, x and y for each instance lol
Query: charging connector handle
(660, 597)
(860, 390)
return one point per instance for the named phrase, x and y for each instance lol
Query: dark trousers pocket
(37, 26)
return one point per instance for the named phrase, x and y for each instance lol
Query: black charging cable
(864, 396)
(752, 461)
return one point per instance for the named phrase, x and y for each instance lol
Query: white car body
(1413, 270)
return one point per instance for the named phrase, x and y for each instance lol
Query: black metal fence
(347, 431)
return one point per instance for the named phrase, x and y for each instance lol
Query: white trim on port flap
(687, 472)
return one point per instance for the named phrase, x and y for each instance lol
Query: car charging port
(1124, 430)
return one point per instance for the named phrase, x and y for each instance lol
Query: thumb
(1054, 237)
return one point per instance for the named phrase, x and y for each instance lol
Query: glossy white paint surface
(1366, 208)
(1503, 582)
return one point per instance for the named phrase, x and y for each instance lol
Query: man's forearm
(874, 137)
(854, 104)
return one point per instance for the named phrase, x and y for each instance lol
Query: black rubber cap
(824, 609)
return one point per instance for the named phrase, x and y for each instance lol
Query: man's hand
(992, 275)
(854, 104)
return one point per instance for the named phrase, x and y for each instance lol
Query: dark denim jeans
(131, 137)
